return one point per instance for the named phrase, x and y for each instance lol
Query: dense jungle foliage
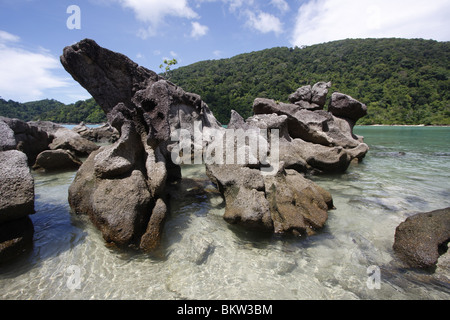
(401, 81)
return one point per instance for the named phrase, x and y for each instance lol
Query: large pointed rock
(122, 187)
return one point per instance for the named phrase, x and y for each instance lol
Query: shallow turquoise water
(406, 171)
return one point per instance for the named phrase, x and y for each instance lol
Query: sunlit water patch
(406, 171)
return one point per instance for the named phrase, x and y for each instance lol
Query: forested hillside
(401, 81)
(52, 110)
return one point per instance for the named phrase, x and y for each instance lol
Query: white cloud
(281, 5)
(264, 22)
(25, 75)
(153, 12)
(8, 37)
(320, 21)
(198, 30)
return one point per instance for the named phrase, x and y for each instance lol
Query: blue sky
(33, 33)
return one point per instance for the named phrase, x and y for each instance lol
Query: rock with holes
(122, 187)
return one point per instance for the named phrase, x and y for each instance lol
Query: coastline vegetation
(402, 82)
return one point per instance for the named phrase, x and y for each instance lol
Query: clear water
(202, 257)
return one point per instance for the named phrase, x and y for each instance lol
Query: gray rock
(282, 203)
(66, 139)
(419, 239)
(103, 134)
(319, 93)
(297, 205)
(302, 94)
(344, 106)
(121, 186)
(50, 160)
(151, 239)
(24, 137)
(7, 139)
(16, 186)
(243, 191)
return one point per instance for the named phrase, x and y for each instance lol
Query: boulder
(282, 203)
(297, 205)
(24, 137)
(344, 106)
(103, 134)
(16, 203)
(7, 139)
(16, 186)
(243, 191)
(50, 160)
(64, 138)
(422, 238)
(311, 98)
(301, 94)
(315, 140)
(319, 93)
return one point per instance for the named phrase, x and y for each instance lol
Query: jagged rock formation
(123, 186)
(318, 140)
(311, 140)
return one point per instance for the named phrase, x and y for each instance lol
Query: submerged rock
(422, 238)
(16, 238)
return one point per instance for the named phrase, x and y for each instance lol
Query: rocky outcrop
(65, 139)
(103, 134)
(311, 140)
(16, 203)
(122, 186)
(422, 238)
(318, 140)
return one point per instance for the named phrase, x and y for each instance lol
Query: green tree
(166, 66)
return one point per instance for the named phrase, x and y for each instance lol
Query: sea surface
(406, 171)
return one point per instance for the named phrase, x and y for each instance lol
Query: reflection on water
(202, 257)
